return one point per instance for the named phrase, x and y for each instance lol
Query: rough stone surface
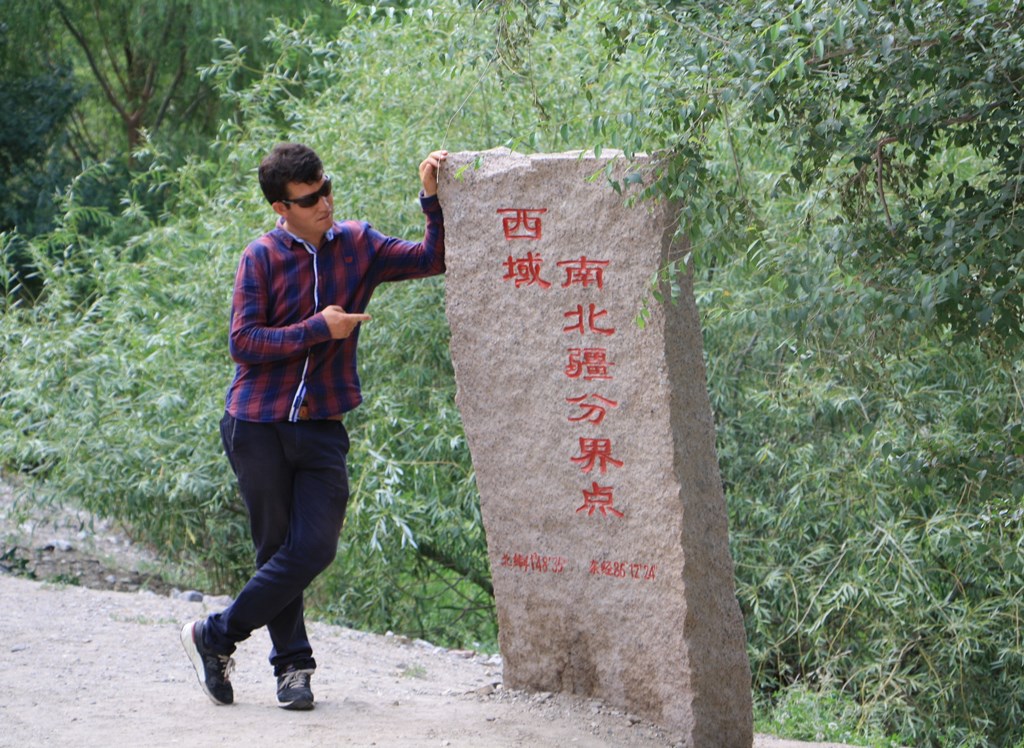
(607, 537)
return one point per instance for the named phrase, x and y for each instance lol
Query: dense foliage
(114, 377)
(850, 175)
(84, 82)
(898, 123)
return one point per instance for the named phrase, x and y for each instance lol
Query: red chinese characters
(522, 223)
(599, 499)
(590, 371)
(596, 453)
(586, 363)
(584, 272)
(594, 408)
(525, 271)
(534, 562)
(589, 363)
(586, 321)
(623, 570)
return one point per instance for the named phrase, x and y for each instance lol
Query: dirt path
(98, 667)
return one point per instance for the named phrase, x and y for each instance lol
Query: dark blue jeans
(293, 478)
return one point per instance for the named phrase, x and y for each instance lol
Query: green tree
(89, 82)
(135, 67)
(37, 96)
(143, 59)
(901, 124)
(138, 56)
(36, 108)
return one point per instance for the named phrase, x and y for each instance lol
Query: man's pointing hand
(340, 322)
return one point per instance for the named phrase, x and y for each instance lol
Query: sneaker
(214, 670)
(293, 691)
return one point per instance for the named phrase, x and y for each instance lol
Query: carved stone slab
(592, 440)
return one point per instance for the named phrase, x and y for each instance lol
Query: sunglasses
(308, 201)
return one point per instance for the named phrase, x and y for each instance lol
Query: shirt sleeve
(399, 259)
(253, 340)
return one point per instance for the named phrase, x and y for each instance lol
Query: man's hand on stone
(340, 322)
(428, 171)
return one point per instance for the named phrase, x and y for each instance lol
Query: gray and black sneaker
(213, 670)
(293, 691)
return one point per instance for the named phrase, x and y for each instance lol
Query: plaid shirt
(280, 342)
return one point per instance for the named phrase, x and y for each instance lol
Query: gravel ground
(91, 657)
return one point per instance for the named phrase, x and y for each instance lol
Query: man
(300, 294)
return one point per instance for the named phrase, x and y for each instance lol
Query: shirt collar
(328, 236)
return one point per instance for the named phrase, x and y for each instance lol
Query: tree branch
(428, 551)
(878, 173)
(179, 75)
(123, 77)
(84, 44)
(173, 87)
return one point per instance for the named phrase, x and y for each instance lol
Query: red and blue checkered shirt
(280, 342)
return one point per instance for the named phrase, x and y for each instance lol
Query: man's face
(309, 208)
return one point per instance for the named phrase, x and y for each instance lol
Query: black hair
(288, 162)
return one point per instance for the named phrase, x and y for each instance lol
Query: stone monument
(592, 440)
